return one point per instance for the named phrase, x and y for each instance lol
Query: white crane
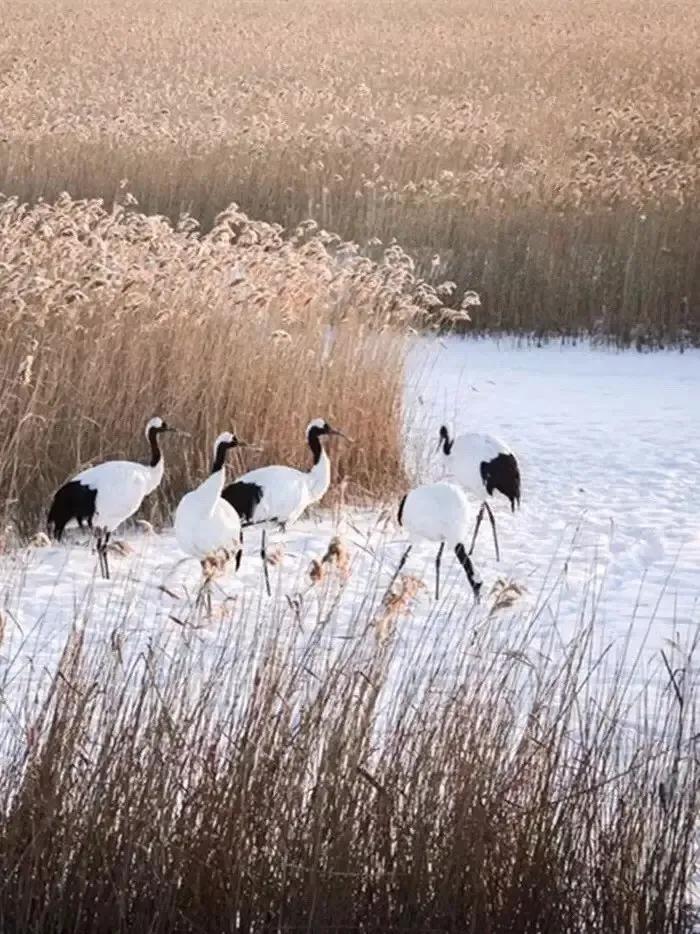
(279, 494)
(482, 464)
(106, 495)
(439, 512)
(205, 522)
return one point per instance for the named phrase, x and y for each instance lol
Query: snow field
(609, 529)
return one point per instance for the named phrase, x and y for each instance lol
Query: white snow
(610, 523)
(609, 449)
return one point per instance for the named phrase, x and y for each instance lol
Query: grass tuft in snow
(317, 777)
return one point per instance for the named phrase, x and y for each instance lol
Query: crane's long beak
(341, 434)
(252, 446)
(179, 431)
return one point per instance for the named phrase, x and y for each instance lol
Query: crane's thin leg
(263, 555)
(239, 554)
(493, 526)
(102, 554)
(98, 549)
(204, 593)
(466, 563)
(437, 570)
(479, 519)
(105, 541)
(105, 563)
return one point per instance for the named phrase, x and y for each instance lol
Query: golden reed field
(109, 316)
(543, 153)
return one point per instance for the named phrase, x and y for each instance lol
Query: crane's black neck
(155, 446)
(447, 442)
(219, 456)
(315, 444)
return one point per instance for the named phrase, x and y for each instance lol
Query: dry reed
(544, 153)
(111, 316)
(495, 790)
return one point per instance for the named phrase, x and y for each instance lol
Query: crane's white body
(469, 451)
(286, 492)
(106, 495)
(437, 512)
(204, 522)
(440, 513)
(279, 494)
(121, 487)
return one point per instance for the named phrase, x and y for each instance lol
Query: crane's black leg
(98, 549)
(493, 526)
(466, 563)
(104, 567)
(479, 519)
(437, 570)
(239, 553)
(263, 555)
(204, 593)
(105, 541)
(101, 549)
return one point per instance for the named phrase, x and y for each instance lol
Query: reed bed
(544, 154)
(499, 782)
(110, 316)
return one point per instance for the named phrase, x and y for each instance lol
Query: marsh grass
(110, 316)
(544, 154)
(300, 782)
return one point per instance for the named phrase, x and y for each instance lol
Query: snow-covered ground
(609, 446)
(610, 523)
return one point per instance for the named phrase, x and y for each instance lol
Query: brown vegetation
(108, 317)
(545, 153)
(499, 789)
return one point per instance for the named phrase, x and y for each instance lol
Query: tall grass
(503, 784)
(543, 153)
(109, 316)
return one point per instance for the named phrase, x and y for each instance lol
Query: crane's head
(227, 440)
(319, 428)
(224, 442)
(157, 425)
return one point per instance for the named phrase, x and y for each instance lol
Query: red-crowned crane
(482, 464)
(439, 512)
(107, 494)
(279, 494)
(205, 523)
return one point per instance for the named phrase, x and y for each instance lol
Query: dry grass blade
(505, 594)
(170, 793)
(336, 559)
